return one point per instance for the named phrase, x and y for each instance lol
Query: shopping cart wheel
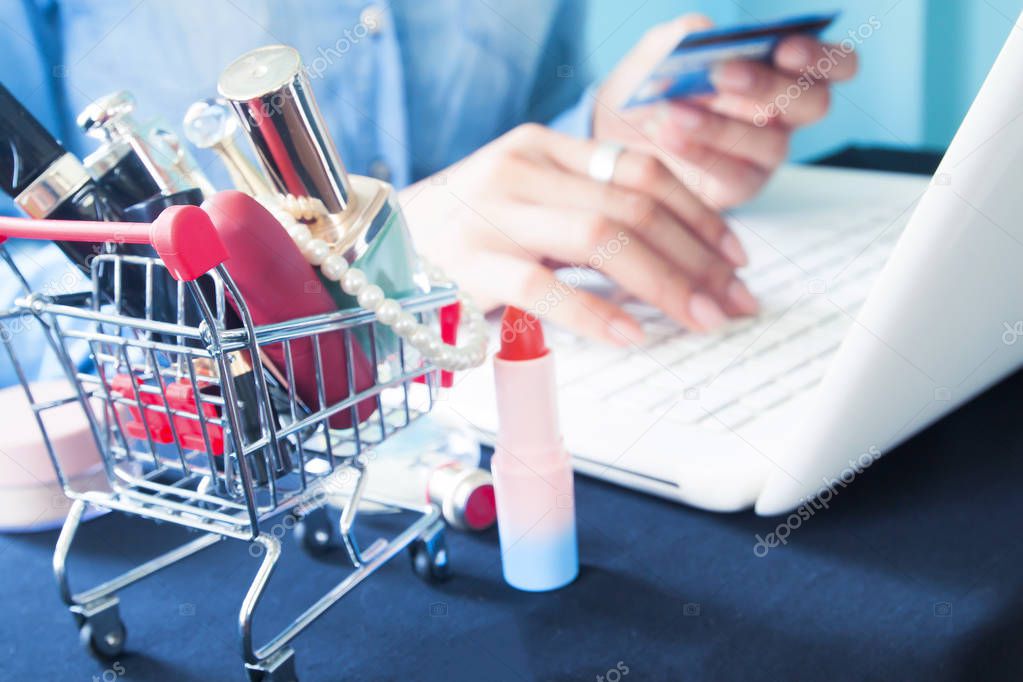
(103, 642)
(100, 628)
(429, 554)
(314, 532)
(278, 668)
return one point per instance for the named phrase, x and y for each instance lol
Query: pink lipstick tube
(533, 480)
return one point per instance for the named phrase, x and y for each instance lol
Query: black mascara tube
(44, 180)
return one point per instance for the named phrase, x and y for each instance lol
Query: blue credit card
(686, 71)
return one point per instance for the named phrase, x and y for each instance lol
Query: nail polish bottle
(273, 99)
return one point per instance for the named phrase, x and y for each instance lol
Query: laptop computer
(887, 301)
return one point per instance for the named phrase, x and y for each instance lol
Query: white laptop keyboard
(809, 298)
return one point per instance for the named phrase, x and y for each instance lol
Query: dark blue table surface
(914, 573)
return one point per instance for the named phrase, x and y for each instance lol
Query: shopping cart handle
(183, 236)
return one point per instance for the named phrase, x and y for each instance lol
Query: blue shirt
(407, 87)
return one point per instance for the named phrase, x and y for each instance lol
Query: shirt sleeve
(577, 120)
(562, 96)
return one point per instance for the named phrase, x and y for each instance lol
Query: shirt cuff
(577, 120)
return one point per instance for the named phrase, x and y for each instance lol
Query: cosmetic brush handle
(183, 236)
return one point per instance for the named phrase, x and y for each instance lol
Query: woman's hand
(726, 145)
(498, 220)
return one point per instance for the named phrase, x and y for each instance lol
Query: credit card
(686, 71)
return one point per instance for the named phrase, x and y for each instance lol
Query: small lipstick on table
(532, 471)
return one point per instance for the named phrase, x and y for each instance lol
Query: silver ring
(603, 162)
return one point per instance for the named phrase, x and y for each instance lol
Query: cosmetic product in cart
(45, 180)
(532, 471)
(212, 124)
(262, 464)
(143, 166)
(353, 215)
(280, 285)
(136, 161)
(240, 364)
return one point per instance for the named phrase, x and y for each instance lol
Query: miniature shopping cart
(181, 443)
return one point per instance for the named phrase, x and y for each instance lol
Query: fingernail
(652, 129)
(734, 76)
(706, 312)
(794, 54)
(731, 247)
(741, 298)
(623, 331)
(688, 118)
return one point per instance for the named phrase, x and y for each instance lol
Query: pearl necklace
(293, 212)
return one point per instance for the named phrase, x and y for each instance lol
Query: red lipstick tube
(533, 482)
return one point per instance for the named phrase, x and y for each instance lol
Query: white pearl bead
(353, 281)
(442, 358)
(405, 324)
(301, 235)
(334, 267)
(371, 297)
(420, 337)
(316, 251)
(433, 346)
(388, 311)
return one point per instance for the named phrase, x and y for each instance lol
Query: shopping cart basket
(189, 436)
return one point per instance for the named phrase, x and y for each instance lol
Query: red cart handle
(183, 236)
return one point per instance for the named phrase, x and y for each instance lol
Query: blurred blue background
(919, 70)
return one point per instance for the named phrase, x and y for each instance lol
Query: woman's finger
(534, 288)
(592, 217)
(594, 239)
(591, 238)
(673, 126)
(645, 174)
(772, 93)
(805, 56)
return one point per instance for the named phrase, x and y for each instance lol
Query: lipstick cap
(271, 94)
(465, 496)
